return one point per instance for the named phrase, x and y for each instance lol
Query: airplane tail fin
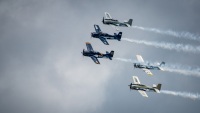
(159, 86)
(162, 63)
(118, 36)
(111, 54)
(130, 22)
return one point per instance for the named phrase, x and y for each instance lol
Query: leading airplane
(94, 55)
(103, 36)
(110, 21)
(146, 67)
(136, 85)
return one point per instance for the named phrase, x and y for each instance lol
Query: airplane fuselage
(115, 22)
(96, 54)
(101, 34)
(92, 53)
(141, 66)
(141, 87)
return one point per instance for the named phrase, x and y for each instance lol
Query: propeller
(130, 85)
(82, 53)
(91, 36)
(103, 20)
(134, 65)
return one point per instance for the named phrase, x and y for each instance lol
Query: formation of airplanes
(94, 55)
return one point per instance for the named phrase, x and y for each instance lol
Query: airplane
(103, 36)
(94, 55)
(136, 85)
(146, 67)
(110, 21)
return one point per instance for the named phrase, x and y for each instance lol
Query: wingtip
(150, 74)
(97, 62)
(87, 42)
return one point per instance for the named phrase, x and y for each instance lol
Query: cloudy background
(42, 69)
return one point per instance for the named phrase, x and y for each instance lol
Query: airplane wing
(89, 46)
(147, 71)
(95, 59)
(136, 80)
(97, 28)
(143, 93)
(108, 16)
(104, 40)
(139, 57)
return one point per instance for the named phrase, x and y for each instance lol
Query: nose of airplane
(83, 51)
(134, 65)
(103, 20)
(130, 85)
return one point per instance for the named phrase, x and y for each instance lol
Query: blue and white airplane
(94, 55)
(103, 36)
(147, 67)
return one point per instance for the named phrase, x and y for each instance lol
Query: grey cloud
(42, 69)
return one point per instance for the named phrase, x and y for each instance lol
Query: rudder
(159, 86)
(112, 53)
(119, 36)
(130, 22)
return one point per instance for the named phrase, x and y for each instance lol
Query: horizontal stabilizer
(157, 91)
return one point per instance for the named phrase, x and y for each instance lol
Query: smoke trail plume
(169, 46)
(126, 60)
(185, 70)
(182, 94)
(176, 68)
(185, 35)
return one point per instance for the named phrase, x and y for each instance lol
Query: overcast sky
(42, 69)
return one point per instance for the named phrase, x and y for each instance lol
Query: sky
(42, 69)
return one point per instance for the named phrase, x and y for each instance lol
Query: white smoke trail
(169, 46)
(176, 68)
(126, 60)
(182, 94)
(185, 70)
(185, 35)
